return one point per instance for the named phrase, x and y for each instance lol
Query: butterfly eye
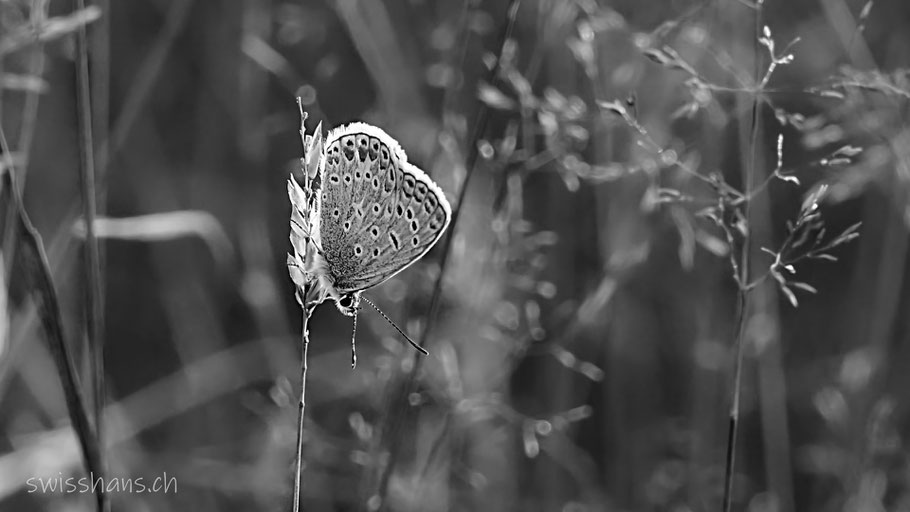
(346, 301)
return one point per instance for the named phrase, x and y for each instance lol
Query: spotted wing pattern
(378, 212)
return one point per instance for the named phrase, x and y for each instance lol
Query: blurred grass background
(581, 359)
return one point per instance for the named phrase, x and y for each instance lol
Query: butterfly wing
(379, 213)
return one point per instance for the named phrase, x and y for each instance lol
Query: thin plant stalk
(34, 266)
(742, 315)
(733, 418)
(298, 458)
(92, 262)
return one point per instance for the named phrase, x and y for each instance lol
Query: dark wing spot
(415, 241)
(394, 239)
(357, 175)
(410, 213)
(409, 184)
(384, 157)
(376, 184)
(374, 148)
(375, 252)
(399, 210)
(389, 183)
(348, 148)
(374, 232)
(430, 204)
(347, 178)
(376, 209)
(362, 147)
(347, 225)
(414, 226)
(421, 191)
(358, 250)
(336, 212)
(325, 197)
(334, 178)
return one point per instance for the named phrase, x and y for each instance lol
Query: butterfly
(364, 214)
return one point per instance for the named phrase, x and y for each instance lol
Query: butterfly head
(348, 303)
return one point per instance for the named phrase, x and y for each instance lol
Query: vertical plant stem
(733, 419)
(92, 263)
(742, 315)
(298, 458)
(32, 262)
(32, 97)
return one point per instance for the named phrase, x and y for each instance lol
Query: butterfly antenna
(389, 320)
(354, 344)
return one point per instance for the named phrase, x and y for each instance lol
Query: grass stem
(31, 262)
(742, 315)
(92, 262)
(298, 458)
(733, 418)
